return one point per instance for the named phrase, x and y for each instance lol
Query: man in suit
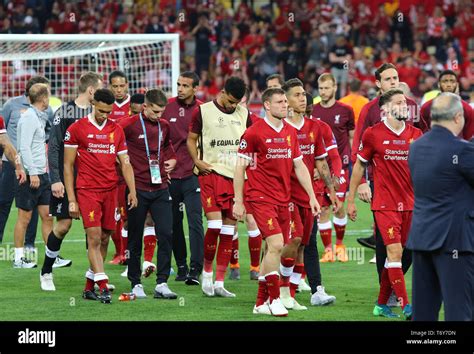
(442, 231)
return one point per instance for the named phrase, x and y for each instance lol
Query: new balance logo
(268, 140)
(386, 142)
(141, 136)
(90, 136)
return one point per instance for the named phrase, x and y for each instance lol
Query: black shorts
(27, 198)
(59, 207)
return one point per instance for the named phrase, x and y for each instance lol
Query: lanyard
(146, 139)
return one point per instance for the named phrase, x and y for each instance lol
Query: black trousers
(159, 205)
(311, 260)
(186, 192)
(443, 277)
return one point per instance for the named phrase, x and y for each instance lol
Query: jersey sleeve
(196, 121)
(72, 136)
(366, 148)
(58, 129)
(168, 150)
(121, 143)
(295, 148)
(319, 146)
(3, 129)
(248, 146)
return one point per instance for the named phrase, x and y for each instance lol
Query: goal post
(148, 60)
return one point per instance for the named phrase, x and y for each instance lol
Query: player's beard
(452, 91)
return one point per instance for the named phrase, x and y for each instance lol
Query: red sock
(149, 245)
(101, 279)
(117, 238)
(224, 251)
(255, 247)
(295, 278)
(234, 259)
(385, 288)
(210, 245)
(303, 274)
(262, 294)
(397, 280)
(325, 231)
(273, 285)
(340, 227)
(286, 269)
(89, 285)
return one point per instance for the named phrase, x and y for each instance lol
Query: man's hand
(132, 200)
(34, 182)
(336, 204)
(351, 210)
(170, 165)
(20, 175)
(74, 209)
(57, 189)
(316, 175)
(315, 207)
(364, 192)
(238, 211)
(337, 182)
(204, 168)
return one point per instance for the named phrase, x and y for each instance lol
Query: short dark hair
(104, 95)
(156, 96)
(387, 96)
(354, 85)
(191, 75)
(447, 72)
(117, 73)
(235, 86)
(35, 80)
(268, 93)
(37, 92)
(275, 76)
(88, 79)
(382, 68)
(138, 98)
(288, 85)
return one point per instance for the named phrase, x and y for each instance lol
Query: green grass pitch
(354, 284)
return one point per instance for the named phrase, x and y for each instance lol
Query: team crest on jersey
(411, 141)
(390, 233)
(243, 144)
(288, 140)
(337, 118)
(111, 137)
(311, 136)
(91, 215)
(270, 224)
(209, 202)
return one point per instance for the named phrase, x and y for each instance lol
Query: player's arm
(351, 137)
(169, 154)
(127, 173)
(55, 140)
(239, 178)
(12, 156)
(191, 142)
(70, 153)
(24, 149)
(304, 178)
(323, 170)
(358, 172)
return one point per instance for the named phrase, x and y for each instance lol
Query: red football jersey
(271, 151)
(312, 147)
(340, 118)
(120, 110)
(387, 151)
(97, 150)
(3, 129)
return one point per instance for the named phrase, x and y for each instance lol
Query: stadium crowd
(253, 39)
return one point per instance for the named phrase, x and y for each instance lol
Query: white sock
(19, 253)
(219, 284)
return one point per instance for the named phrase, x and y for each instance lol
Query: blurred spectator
(355, 99)
(155, 26)
(202, 33)
(340, 56)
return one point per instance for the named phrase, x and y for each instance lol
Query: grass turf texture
(355, 286)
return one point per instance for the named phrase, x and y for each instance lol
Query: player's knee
(296, 241)
(394, 252)
(61, 229)
(275, 247)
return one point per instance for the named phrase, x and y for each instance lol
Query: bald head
(447, 111)
(38, 93)
(405, 88)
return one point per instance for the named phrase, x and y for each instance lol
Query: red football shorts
(302, 221)
(271, 219)
(217, 194)
(98, 208)
(322, 194)
(394, 226)
(122, 201)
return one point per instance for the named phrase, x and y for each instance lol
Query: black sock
(53, 245)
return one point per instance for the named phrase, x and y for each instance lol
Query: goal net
(148, 60)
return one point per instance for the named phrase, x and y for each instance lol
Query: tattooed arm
(325, 174)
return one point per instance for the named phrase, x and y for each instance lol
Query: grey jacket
(31, 141)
